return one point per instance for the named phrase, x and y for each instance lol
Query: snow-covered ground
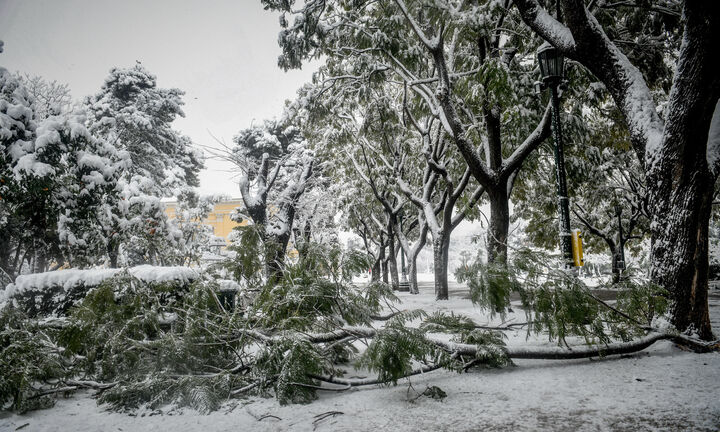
(661, 388)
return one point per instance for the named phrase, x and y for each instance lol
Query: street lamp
(551, 63)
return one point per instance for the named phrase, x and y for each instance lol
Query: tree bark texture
(383, 260)
(376, 270)
(680, 182)
(497, 236)
(441, 247)
(392, 258)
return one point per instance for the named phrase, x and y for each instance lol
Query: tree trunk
(5, 254)
(383, 261)
(376, 270)
(441, 246)
(276, 248)
(412, 274)
(680, 248)
(112, 251)
(392, 260)
(412, 262)
(274, 260)
(497, 235)
(680, 180)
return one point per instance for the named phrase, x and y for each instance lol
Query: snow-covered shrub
(151, 342)
(55, 292)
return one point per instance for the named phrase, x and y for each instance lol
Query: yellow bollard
(577, 248)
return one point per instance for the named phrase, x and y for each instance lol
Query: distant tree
(271, 187)
(49, 97)
(83, 183)
(56, 181)
(17, 133)
(195, 236)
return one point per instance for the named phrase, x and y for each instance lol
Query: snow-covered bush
(54, 293)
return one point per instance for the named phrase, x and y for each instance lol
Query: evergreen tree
(135, 115)
(132, 113)
(17, 132)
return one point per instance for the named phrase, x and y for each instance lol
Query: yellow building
(219, 218)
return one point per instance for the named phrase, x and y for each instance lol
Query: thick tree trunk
(497, 235)
(680, 179)
(441, 248)
(274, 259)
(276, 247)
(680, 247)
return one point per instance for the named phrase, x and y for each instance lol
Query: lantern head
(551, 63)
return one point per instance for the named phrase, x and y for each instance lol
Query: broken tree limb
(90, 384)
(559, 353)
(539, 353)
(369, 381)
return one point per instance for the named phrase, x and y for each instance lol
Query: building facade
(218, 219)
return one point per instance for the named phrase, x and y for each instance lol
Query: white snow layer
(662, 388)
(92, 277)
(713, 144)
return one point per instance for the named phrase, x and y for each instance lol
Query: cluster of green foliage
(157, 344)
(490, 344)
(558, 303)
(27, 355)
(392, 352)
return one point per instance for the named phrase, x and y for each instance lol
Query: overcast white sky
(222, 53)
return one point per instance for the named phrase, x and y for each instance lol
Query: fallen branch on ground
(369, 381)
(538, 353)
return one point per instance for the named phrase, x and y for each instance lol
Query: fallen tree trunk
(559, 353)
(538, 353)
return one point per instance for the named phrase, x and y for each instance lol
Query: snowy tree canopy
(135, 115)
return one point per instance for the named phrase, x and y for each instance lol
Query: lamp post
(404, 284)
(551, 63)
